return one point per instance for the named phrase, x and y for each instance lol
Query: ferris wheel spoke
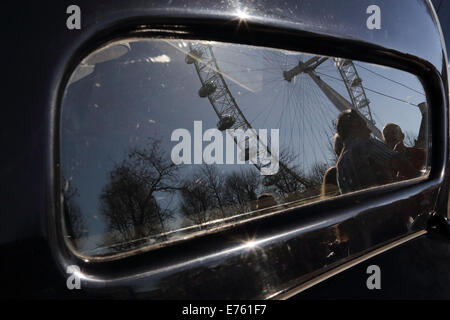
(268, 105)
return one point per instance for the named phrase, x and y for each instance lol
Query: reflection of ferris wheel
(214, 87)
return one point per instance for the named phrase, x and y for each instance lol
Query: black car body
(293, 255)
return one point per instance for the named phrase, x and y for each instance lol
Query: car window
(161, 140)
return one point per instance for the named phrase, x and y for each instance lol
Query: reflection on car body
(207, 153)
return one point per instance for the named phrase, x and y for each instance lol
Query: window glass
(163, 139)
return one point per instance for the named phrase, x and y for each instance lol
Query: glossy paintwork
(256, 260)
(423, 257)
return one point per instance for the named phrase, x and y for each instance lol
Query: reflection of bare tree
(75, 225)
(197, 201)
(315, 176)
(284, 182)
(128, 199)
(211, 194)
(203, 195)
(242, 188)
(215, 181)
(289, 187)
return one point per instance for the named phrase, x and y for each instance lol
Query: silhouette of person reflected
(330, 186)
(393, 137)
(364, 161)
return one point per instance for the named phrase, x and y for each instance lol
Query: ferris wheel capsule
(192, 55)
(346, 62)
(207, 89)
(226, 122)
(356, 82)
(363, 103)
